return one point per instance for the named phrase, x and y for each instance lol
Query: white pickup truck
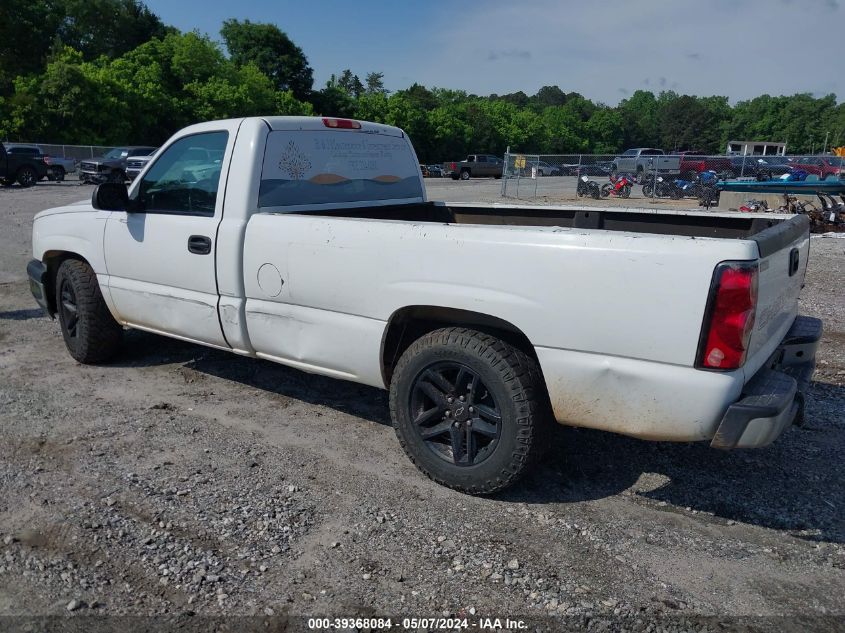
(309, 242)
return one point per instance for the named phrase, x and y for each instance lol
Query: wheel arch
(52, 260)
(409, 323)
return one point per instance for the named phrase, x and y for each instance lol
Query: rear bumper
(37, 273)
(774, 397)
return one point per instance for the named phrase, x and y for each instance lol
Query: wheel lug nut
(462, 398)
(469, 422)
(448, 414)
(450, 400)
(471, 410)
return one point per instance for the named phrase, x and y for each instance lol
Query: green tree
(272, 51)
(351, 84)
(375, 83)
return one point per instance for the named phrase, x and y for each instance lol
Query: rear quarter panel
(596, 292)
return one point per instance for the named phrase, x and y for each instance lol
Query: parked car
(57, 167)
(760, 167)
(435, 171)
(111, 166)
(293, 271)
(822, 166)
(135, 165)
(640, 160)
(474, 165)
(547, 169)
(599, 168)
(24, 168)
(695, 162)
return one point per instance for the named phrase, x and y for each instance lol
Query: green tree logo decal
(293, 162)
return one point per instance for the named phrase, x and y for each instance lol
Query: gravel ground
(180, 480)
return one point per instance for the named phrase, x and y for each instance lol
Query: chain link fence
(651, 174)
(76, 152)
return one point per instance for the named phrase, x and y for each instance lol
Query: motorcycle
(619, 187)
(587, 187)
(655, 186)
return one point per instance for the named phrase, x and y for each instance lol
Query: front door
(160, 259)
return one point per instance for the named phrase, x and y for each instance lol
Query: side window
(482, 159)
(184, 179)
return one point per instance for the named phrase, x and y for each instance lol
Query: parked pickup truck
(309, 242)
(642, 160)
(111, 166)
(25, 169)
(57, 166)
(474, 166)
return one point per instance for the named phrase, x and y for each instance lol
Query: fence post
(654, 185)
(505, 168)
(742, 170)
(536, 174)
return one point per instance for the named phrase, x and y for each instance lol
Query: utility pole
(826, 134)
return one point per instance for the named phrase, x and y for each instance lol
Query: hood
(74, 207)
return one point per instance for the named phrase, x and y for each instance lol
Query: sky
(604, 50)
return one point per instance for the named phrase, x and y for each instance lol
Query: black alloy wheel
(455, 414)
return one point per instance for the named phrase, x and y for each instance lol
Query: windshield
(117, 152)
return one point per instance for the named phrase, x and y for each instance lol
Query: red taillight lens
(454, 166)
(730, 316)
(47, 160)
(341, 124)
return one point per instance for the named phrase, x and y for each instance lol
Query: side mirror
(110, 196)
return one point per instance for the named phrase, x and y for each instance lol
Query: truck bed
(632, 220)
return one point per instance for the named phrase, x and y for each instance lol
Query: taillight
(342, 124)
(47, 160)
(454, 166)
(729, 318)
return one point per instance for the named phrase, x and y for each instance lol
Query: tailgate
(784, 250)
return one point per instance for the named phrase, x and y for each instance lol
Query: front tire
(468, 409)
(27, 176)
(91, 334)
(605, 191)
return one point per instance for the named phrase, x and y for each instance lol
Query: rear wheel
(27, 176)
(91, 334)
(640, 176)
(626, 191)
(465, 174)
(468, 409)
(647, 190)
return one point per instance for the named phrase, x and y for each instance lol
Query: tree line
(107, 72)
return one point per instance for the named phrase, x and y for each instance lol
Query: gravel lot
(182, 480)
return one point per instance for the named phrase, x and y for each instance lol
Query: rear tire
(91, 334)
(465, 175)
(485, 442)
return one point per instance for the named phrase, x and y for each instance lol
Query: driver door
(160, 259)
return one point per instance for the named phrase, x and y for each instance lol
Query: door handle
(199, 244)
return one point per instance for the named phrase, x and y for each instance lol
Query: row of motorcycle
(702, 187)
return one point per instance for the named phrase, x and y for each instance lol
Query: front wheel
(605, 191)
(91, 334)
(27, 176)
(647, 190)
(468, 409)
(626, 191)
